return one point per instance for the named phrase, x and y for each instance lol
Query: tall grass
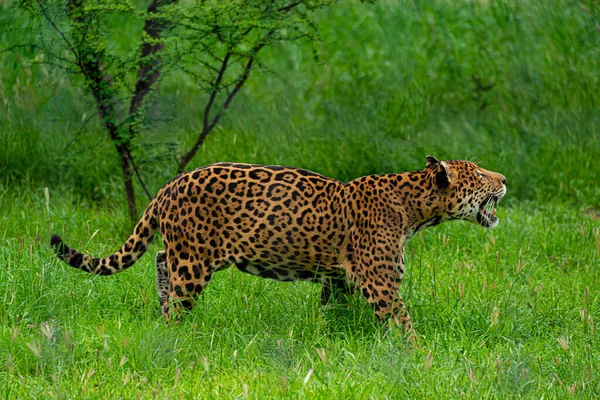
(511, 312)
(393, 82)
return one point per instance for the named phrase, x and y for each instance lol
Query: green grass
(501, 313)
(511, 312)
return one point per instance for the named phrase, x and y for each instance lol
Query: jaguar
(291, 224)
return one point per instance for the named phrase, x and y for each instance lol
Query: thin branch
(78, 132)
(137, 174)
(215, 90)
(186, 158)
(46, 51)
(288, 7)
(236, 89)
(198, 76)
(55, 27)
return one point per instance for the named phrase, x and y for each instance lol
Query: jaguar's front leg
(378, 271)
(382, 291)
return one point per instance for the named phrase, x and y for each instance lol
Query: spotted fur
(291, 224)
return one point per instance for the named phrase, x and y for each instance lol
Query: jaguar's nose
(502, 179)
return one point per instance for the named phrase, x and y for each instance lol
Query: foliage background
(511, 312)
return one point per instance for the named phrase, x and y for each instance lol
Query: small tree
(219, 45)
(215, 42)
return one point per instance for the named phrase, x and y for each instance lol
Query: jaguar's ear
(431, 160)
(444, 176)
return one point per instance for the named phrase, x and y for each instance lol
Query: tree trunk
(91, 63)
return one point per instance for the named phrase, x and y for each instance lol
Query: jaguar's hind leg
(188, 275)
(162, 277)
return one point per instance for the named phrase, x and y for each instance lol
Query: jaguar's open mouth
(487, 212)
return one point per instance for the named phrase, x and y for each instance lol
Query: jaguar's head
(467, 191)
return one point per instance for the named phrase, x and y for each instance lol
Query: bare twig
(137, 174)
(55, 27)
(207, 128)
(288, 7)
(215, 90)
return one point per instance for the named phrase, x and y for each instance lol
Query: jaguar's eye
(479, 174)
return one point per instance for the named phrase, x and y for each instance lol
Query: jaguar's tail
(128, 254)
